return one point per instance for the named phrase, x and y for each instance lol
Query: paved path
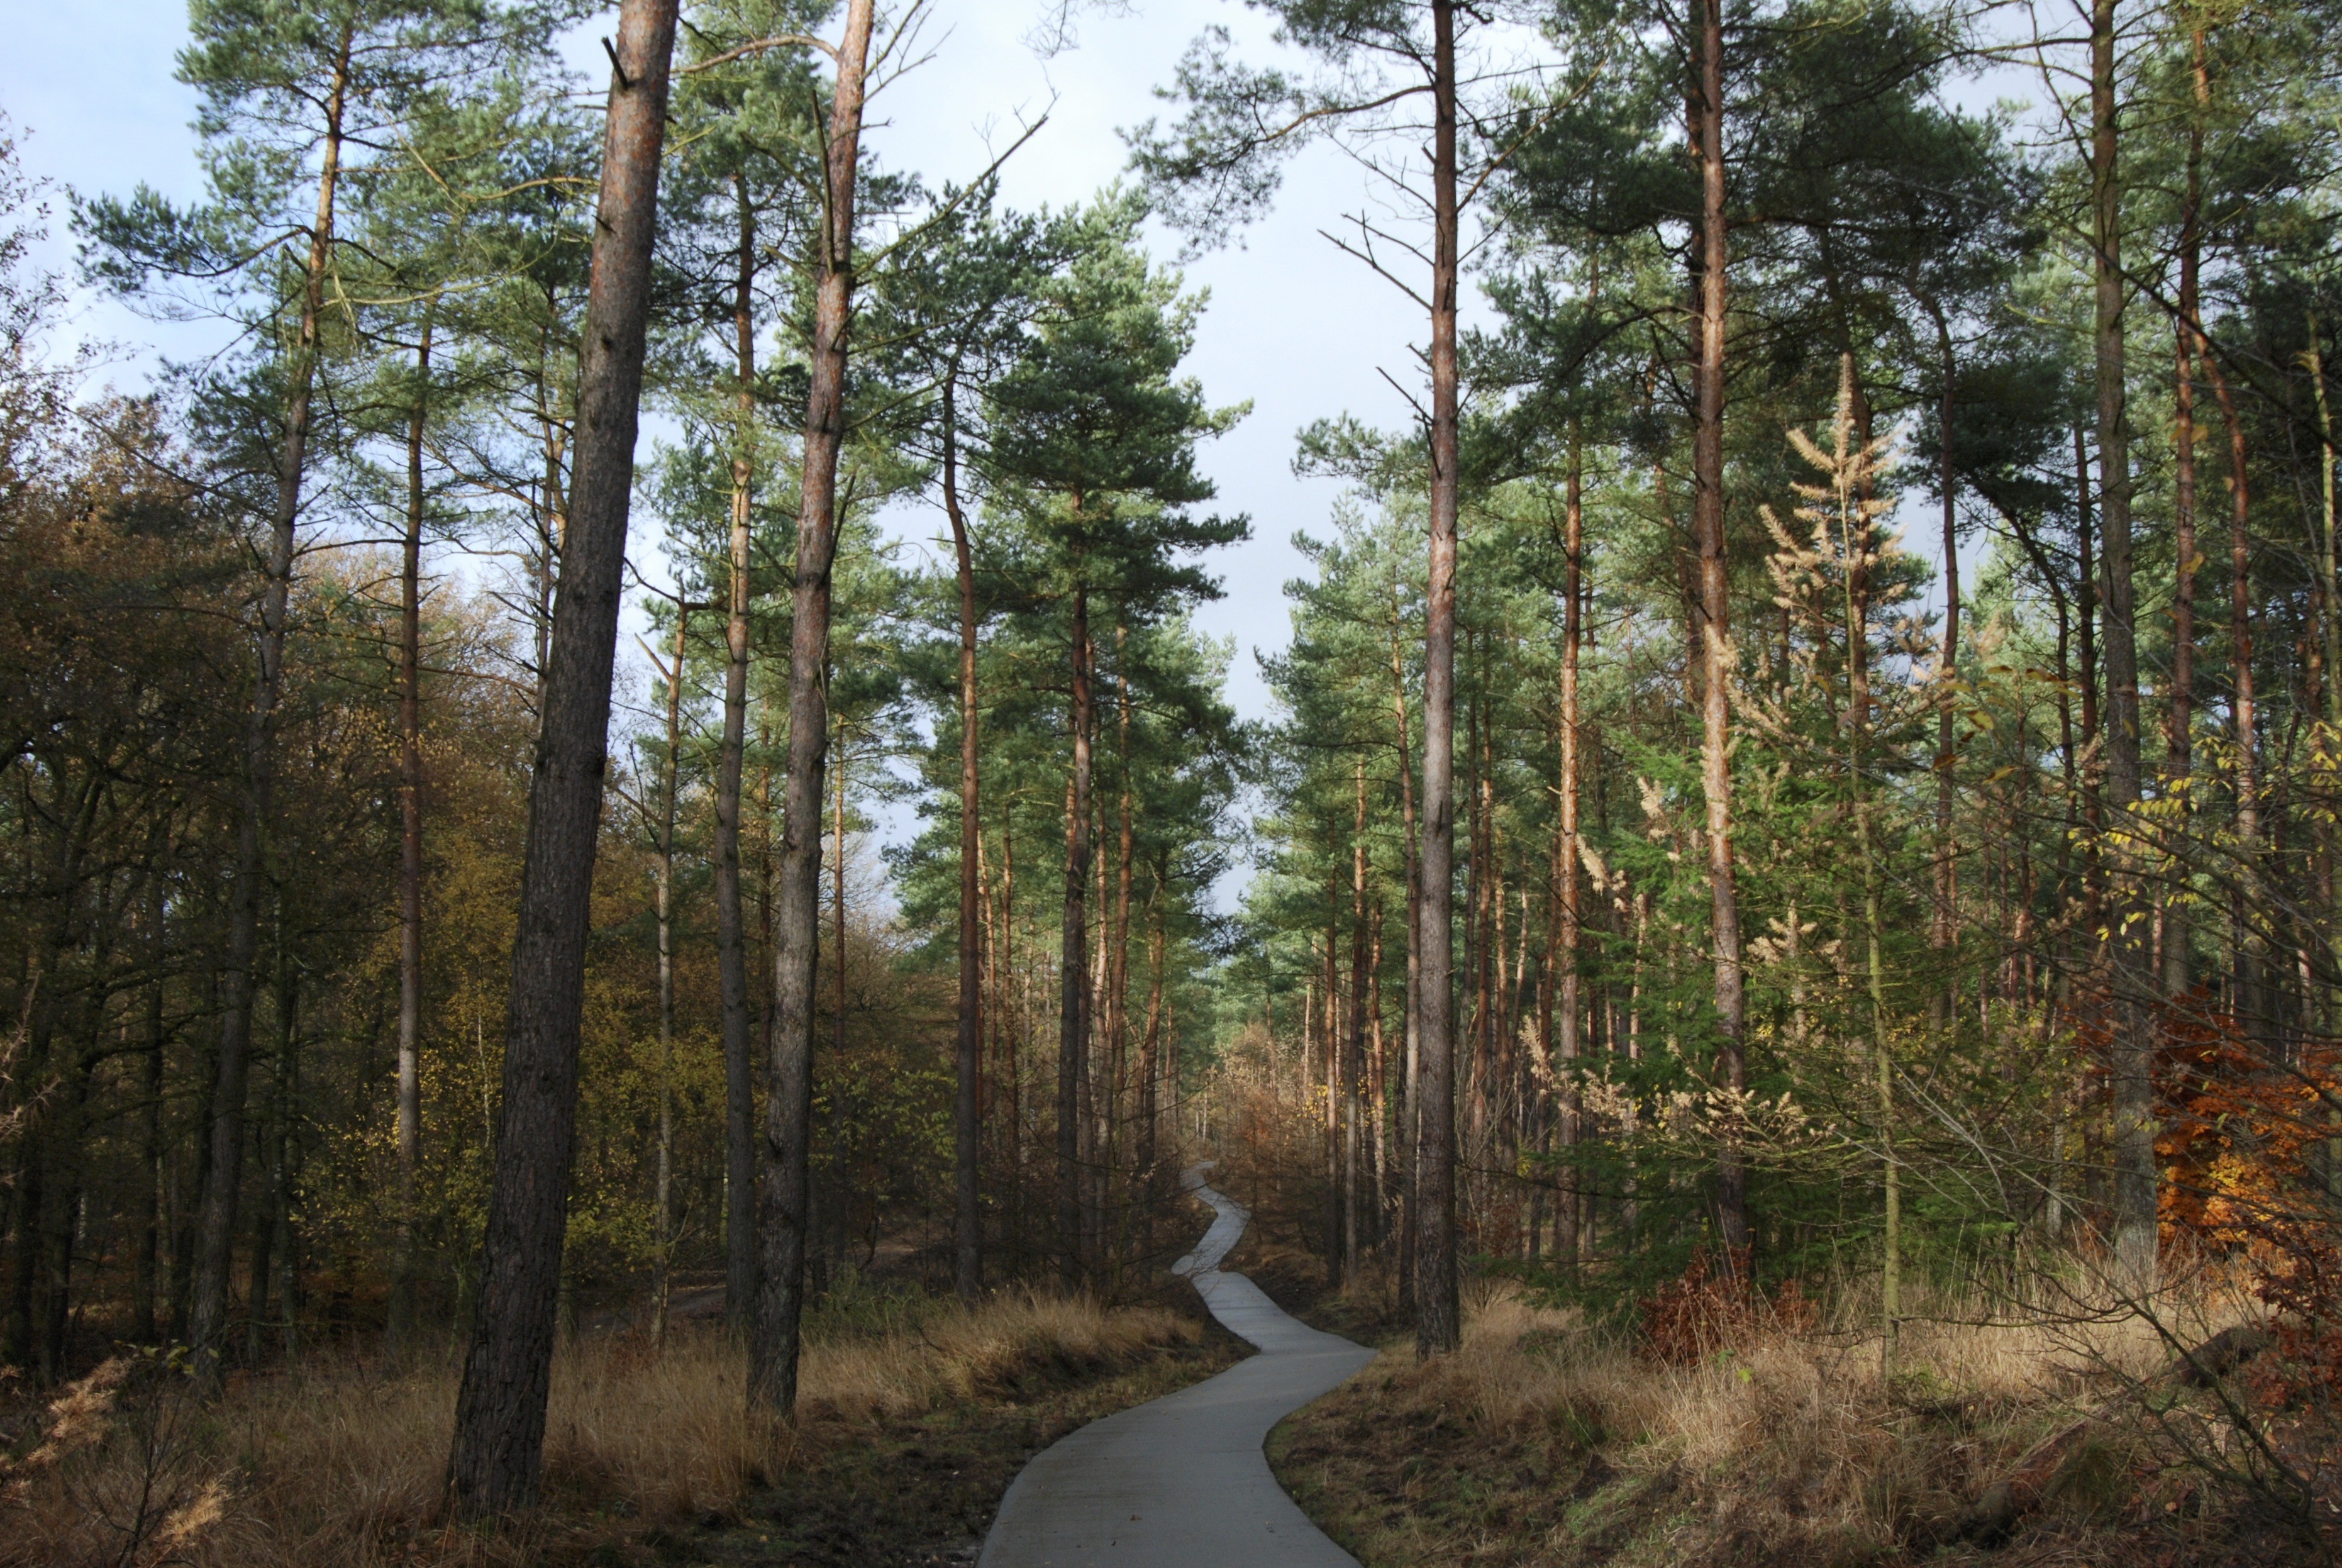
(1181, 1482)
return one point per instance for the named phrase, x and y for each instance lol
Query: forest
(1775, 951)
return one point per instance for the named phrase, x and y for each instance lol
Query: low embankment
(915, 1415)
(2066, 1439)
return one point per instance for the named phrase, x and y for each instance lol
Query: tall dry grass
(334, 1462)
(1785, 1441)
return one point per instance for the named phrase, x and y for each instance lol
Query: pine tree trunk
(2134, 1048)
(1438, 1314)
(967, 1219)
(1073, 971)
(1711, 256)
(499, 1439)
(731, 930)
(1566, 1233)
(215, 1233)
(401, 1324)
(663, 1204)
(2252, 1009)
(2180, 723)
(782, 1211)
(1942, 935)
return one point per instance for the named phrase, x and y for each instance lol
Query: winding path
(1181, 1482)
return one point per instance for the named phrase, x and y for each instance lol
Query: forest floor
(1544, 1444)
(914, 1417)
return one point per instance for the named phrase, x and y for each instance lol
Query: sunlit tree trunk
(500, 1409)
(782, 1211)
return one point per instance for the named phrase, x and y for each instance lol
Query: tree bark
(1439, 1315)
(1712, 255)
(783, 1160)
(2252, 1010)
(967, 1219)
(670, 771)
(1354, 1062)
(1942, 934)
(2134, 1048)
(1409, 1097)
(1072, 973)
(498, 1451)
(731, 930)
(215, 1233)
(2180, 722)
(1565, 961)
(401, 1324)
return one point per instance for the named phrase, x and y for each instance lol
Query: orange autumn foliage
(2240, 1127)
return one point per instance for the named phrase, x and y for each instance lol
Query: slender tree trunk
(500, 1439)
(1409, 1097)
(1439, 1315)
(731, 930)
(216, 1234)
(1943, 934)
(2252, 947)
(2134, 1049)
(1073, 974)
(2329, 547)
(1565, 1239)
(152, 1214)
(967, 1219)
(783, 1211)
(841, 1121)
(1117, 978)
(401, 1324)
(1354, 1067)
(2181, 725)
(1712, 255)
(662, 1203)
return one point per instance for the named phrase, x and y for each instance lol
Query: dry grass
(1543, 1442)
(328, 1463)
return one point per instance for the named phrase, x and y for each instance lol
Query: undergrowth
(328, 1463)
(1776, 1440)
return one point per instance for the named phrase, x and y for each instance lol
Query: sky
(1295, 328)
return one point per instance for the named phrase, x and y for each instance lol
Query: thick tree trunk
(1438, 1314)
(731, 930)
(401, 1325)
(215, 1233)
(783, 1211)
(1716, 655)
(2134, 1048)
(967, 1219)
(499, 1441)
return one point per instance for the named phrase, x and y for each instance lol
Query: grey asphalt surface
(1181, 1482)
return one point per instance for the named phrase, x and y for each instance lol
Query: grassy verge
(1539, 1443)
(915, 1416)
